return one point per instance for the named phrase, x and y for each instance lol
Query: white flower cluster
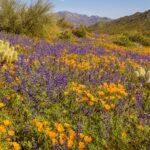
(141, 72)
(7, 53)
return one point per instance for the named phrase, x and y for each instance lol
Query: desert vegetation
(64, 87)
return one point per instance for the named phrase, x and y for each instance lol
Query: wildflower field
(72, 96)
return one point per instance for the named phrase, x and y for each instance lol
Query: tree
(37, 16)
(18, 17)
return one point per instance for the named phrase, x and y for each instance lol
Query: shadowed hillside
(138, 22)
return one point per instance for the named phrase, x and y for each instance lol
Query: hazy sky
(103, 8)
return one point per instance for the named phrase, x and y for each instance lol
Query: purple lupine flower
(87, 112)
(139, 100)
(4, 100)
(79, 127)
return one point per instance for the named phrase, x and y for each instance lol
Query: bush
(51, 33)
(10, 20)
(140, 39)
(37, 17)
(66, 35)
(62, 23)
(80, 32)
(123, 41)
(22, 18)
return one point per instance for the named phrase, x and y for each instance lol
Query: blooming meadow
(73, 96)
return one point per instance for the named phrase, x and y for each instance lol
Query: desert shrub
(64, 24)
(7, 53)
(123, 41)
(80, 32)
(51, 33)
(37, 17)
(65, 35)
(139, 38)
(22, 18)
(10, 20)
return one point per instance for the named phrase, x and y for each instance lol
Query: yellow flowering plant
(62, 134)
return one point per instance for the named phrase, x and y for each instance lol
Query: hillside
(137, 22)
(79, 19)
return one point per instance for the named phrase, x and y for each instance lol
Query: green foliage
(65, 35)
(64, 24)
(7, 53)
(10, 20)
(20, 18)
(123, 41)
(37, 17)
(80, 32)
(139, 38)
(131, 39)
(51, 33)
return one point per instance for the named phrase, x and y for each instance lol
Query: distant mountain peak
(80, 19)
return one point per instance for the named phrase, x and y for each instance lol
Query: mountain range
(80, 19)
(138, 22)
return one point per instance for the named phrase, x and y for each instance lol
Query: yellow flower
(2, 105)
(103, 102)
(52, 134)
(123, 134)
(39, 126)
(54, 141)
(61, 141)
(62, 135)
(8, 97)
(81, 135)
(45, 123)
(72, 134)
(101, 93)
(8, 139)
(70, 143)
(67, 125)
(66, 93)
(59, 127)
(62, 138)
(47, 131)
(4, 67)
(90, 103)
(16, 146)
(2, 129)
(112, 106)
(107, 107)
(81, 145)
(140, 127)
(11, 133)
(87, 139)
(105, 84)
(112, 97)
(64, 111)
(131, 116)
(7, 122)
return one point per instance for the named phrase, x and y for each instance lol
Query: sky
(103, 8)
